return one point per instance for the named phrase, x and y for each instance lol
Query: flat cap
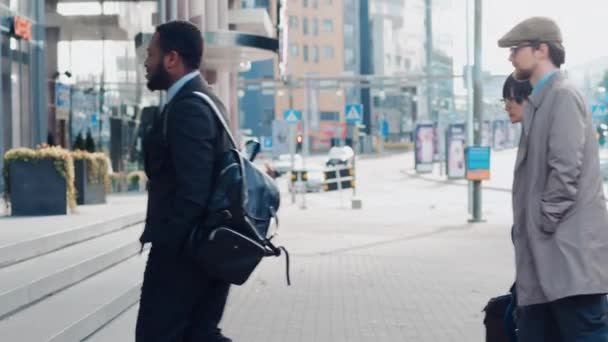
(532, 29)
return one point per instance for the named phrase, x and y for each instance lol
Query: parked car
(282, 165)
(340, 156)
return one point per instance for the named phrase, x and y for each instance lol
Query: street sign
(266, 143)
(62, 101)
(353, 113)
(280, 138)
(478, 163)
(598, 111)
(292, 116)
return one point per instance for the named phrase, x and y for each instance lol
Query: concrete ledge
(23, 250)
(34, 291)
(91, 323)
(80, 310)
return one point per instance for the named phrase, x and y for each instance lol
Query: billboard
(456, 142)
(425, 147)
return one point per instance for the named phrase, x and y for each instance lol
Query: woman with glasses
(515, 94)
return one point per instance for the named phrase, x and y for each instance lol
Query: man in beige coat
(560, 228)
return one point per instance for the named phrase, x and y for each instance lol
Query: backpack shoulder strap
(218, 114)
(215, 110)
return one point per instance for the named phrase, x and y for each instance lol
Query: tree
(89, 144)
(79, 143)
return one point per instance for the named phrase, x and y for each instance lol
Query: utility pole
(468, 78)
(477, 106)
(428, 24)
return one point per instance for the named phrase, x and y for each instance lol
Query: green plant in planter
(89, 143)
(135, 177)
(62, 159)
(79, 142)
(97, 167)
(115, 178)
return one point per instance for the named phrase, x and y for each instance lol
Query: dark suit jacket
(180, 156)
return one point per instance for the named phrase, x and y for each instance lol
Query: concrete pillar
(39, 78)
(211, 16)
(222, 15)
(196, 11)
(182, 10)
(51, 41)
(161, 11)
(172, 9)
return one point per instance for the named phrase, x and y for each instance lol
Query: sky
(583, 24)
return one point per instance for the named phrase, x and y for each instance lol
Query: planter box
(37, 189)
(86, 192)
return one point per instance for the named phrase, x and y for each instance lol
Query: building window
(328, 26)
(328, 2)
(315, 27)
(349, 31)
(330, 116)
(305, 53)
(293, 22)
(315, 3)
(328, 52)
(408, 64)
(388, 59)
(315, 54)
(294, 50)
(305, 25)
(398, 61)
(349, 56)
(304, 3)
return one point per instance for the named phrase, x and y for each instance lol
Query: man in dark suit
(179, 302)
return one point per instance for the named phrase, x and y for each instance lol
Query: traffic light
(299, 140)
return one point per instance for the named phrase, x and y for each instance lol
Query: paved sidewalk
(408, 267)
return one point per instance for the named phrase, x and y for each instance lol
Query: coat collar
(534, 103)
(537, 98)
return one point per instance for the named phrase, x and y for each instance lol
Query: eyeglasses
(509, 100)
(514, 49)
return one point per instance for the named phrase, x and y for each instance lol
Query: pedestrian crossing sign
(292, 116)
(353, 113)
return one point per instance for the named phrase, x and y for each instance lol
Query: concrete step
(122, 328)
(29, 281)
(80, 310)
(21, 241)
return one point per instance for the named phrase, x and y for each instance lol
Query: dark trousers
(573, 319)
(179, 303)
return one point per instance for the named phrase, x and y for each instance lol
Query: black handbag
(494, 319)
(235, 235)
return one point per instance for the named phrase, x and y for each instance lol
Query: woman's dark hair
(516, 90)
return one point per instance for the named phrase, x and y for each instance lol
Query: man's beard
(522, 75)
(160, 79)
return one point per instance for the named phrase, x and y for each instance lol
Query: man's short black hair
(184, 38)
